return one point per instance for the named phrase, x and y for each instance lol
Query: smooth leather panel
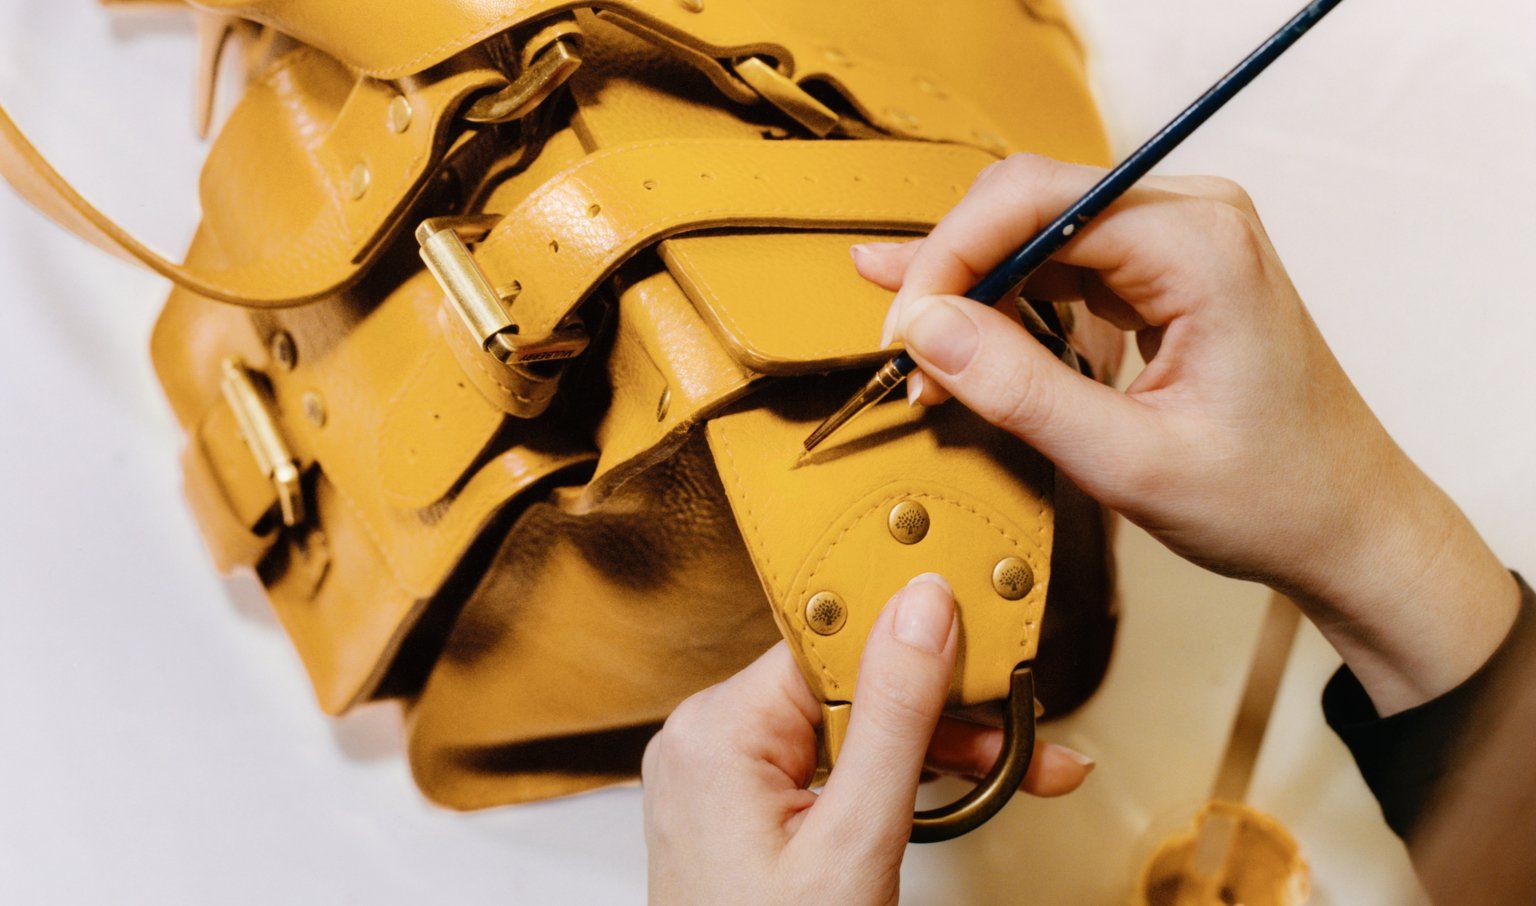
(784, 303)
(821, 526)
(568, 236)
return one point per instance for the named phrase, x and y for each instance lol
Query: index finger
(1150, 235)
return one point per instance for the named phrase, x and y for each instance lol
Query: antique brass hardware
(826, 613)
(284, 351)
(908, 521)
(993, 792)
(547, 72)
(1012, 578)
(400, 114)
(781, 91)
(988, 798)
(259, 431)
(358, 181)
(478, 304)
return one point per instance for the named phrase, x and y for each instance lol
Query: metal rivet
(314, 409)
(908, 522)
(663, 404)
(357, 181)
(400, 114)
(1012, 578)
(692, 6)
(284, 352)
(825, 613)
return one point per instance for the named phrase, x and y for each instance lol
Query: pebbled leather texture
(539, 592)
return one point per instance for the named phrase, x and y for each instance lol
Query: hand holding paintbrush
(1011, 274)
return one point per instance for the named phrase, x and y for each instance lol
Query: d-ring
(988, 798)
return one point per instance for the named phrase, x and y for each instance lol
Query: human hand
(728, 816)
(1242, 446)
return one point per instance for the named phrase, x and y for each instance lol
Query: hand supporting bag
(538, 489)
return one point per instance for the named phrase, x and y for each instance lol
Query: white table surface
(158, 743)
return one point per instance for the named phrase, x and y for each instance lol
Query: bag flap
(784, 303)
(828, 527)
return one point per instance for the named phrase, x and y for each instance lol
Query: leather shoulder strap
(348, 197)
(30, 174)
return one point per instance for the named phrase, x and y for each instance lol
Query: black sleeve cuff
(1404, 756)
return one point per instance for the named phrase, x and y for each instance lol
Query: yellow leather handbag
(504, 323)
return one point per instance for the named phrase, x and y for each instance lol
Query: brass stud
(400, 114)
(664, 404)
(284, 352)
(358, 180)
(908, 522)
(314, 409)
(692, 6)
(825, 613)
(1012, 578)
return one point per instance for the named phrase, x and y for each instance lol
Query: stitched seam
(807, 636)
(1028, 625)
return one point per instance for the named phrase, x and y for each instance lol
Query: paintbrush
(1008, 277)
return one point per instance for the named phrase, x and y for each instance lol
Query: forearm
(1410, 595)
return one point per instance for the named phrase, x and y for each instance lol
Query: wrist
(1411, 596)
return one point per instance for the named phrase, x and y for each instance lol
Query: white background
(158, 743)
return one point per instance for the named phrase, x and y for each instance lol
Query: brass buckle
(444, 248)
(782, 92)
(988, 798)
(548, 71)
(259, 431)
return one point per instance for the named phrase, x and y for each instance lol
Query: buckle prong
(259, 431)
(478, 304)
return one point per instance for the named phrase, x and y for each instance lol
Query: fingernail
(923, 617)
(873, 248)
(858, 250)
(942, 334)
(933, 579)
(914, 387)
(1076, 756)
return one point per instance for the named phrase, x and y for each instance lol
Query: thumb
(1004, 375)
(904, 676)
